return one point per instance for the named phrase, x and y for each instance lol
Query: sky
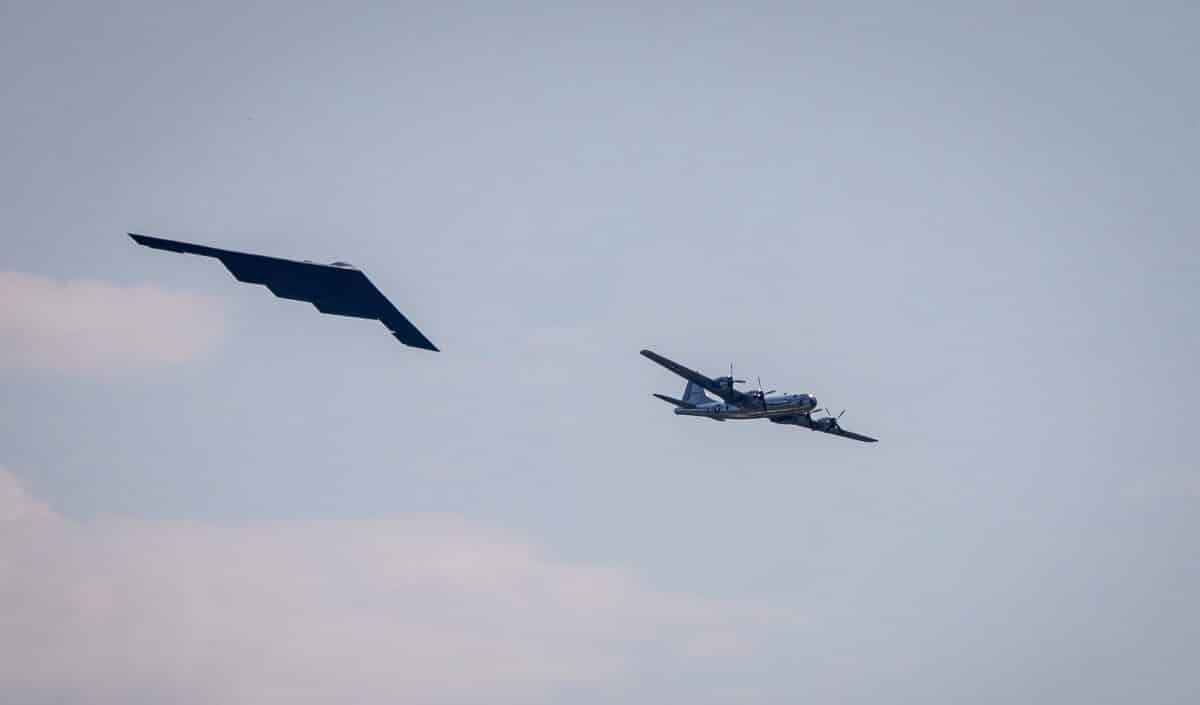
(973, 227)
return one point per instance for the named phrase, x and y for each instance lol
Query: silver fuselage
(754, 408)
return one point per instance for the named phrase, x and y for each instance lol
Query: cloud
(16, 504)
(47, 324)
(420, 609)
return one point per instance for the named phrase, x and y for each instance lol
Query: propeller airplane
(793, 409)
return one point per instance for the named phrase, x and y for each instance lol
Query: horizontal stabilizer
(677, 402)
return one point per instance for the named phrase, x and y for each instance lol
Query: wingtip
(421, 345)
(157, 243)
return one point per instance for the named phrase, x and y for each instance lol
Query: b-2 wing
(337, 289)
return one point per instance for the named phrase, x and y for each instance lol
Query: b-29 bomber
(793, 409)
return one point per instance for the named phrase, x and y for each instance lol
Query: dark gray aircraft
(794, 409)
(339, 288)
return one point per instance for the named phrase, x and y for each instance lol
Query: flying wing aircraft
(339, 288)
(793, 409)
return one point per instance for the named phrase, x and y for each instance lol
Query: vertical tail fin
(694, 394)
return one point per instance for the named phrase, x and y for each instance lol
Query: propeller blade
(840, 415)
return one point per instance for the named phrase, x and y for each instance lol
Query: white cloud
(421, 609)
(16, 504)
(47, 324)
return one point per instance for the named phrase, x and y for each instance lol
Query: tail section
(694, 395)
(676, 402)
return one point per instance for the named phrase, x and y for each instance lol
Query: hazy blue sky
(976, 229)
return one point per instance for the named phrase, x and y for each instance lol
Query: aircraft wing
(727, 393)
(839, 431)
(807, 422)
(676, 402)
(334, 289)
(800, 420)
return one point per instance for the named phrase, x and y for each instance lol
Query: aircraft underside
(733, 413)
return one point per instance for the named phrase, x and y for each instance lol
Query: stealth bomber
(340, 288)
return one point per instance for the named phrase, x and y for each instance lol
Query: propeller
(760, 389)
(730, 380)
(830, 422)
(762, 396)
